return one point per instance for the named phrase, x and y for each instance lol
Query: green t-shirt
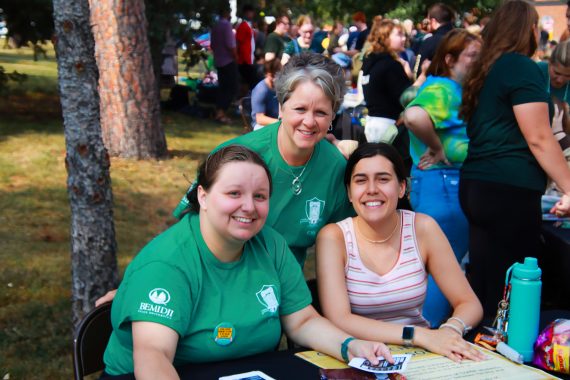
(176, 281)
(323, 199)
(275, 44)
(562, 92)
(497, 149)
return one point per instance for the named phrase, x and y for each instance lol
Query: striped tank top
(397, 296)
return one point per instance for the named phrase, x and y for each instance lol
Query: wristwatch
(408, 336)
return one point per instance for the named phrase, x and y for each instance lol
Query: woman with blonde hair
(511, 151)
(385, 76)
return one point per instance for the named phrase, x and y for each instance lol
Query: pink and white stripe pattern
(397, 296)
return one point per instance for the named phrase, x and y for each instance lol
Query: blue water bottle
(524, 306)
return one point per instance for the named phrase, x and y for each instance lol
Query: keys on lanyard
(501, 322)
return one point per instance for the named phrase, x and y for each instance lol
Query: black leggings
(504, 228)
(228, 84)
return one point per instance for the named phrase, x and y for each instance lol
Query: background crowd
(461, 129)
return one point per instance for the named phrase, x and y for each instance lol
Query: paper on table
(384, 366)
(321, 360)
(429, 366)
(252, 375)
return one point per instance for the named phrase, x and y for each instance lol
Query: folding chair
(245, 111)
(90, 340)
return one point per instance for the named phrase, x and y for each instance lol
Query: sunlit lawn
(35, 329)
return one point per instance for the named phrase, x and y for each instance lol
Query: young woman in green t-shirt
(216, 285)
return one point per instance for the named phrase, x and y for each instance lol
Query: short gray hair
(316, 68)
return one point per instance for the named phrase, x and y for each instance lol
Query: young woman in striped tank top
(372, 269)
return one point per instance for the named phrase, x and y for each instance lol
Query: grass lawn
(35, 314)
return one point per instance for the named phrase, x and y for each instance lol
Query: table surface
(277, 364)
(285, 365)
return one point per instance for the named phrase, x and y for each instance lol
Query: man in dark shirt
(441, 18)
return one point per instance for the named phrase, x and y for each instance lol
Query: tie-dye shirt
(440, 97)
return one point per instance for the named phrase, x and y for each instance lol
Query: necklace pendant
(296, 186)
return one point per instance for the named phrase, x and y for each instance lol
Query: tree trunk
(93, 246)
(130, 109)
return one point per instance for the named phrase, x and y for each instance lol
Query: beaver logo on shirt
(266, 296)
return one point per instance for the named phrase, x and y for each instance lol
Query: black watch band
(408, 336)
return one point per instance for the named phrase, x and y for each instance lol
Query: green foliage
(417, 9)
(412, 9)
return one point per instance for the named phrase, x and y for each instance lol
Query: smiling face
(306, 117)
(559, 75)
(235, 207)
(374, 189)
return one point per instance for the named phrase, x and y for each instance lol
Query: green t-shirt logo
(266, 296)
(314, 208)
(159, 298)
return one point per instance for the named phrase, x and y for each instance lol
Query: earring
(331, 127)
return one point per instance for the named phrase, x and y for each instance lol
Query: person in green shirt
(307, 170)
(511, 151)
(219, 284)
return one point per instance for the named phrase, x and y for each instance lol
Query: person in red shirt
(245, 39)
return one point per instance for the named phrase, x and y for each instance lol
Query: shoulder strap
(297, 47)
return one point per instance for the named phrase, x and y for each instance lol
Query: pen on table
(509, 352)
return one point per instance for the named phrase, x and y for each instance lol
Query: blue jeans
(436, 193)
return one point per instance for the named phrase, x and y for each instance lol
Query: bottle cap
(529, 270)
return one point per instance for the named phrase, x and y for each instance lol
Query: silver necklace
(378, 241)
(296, 184)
